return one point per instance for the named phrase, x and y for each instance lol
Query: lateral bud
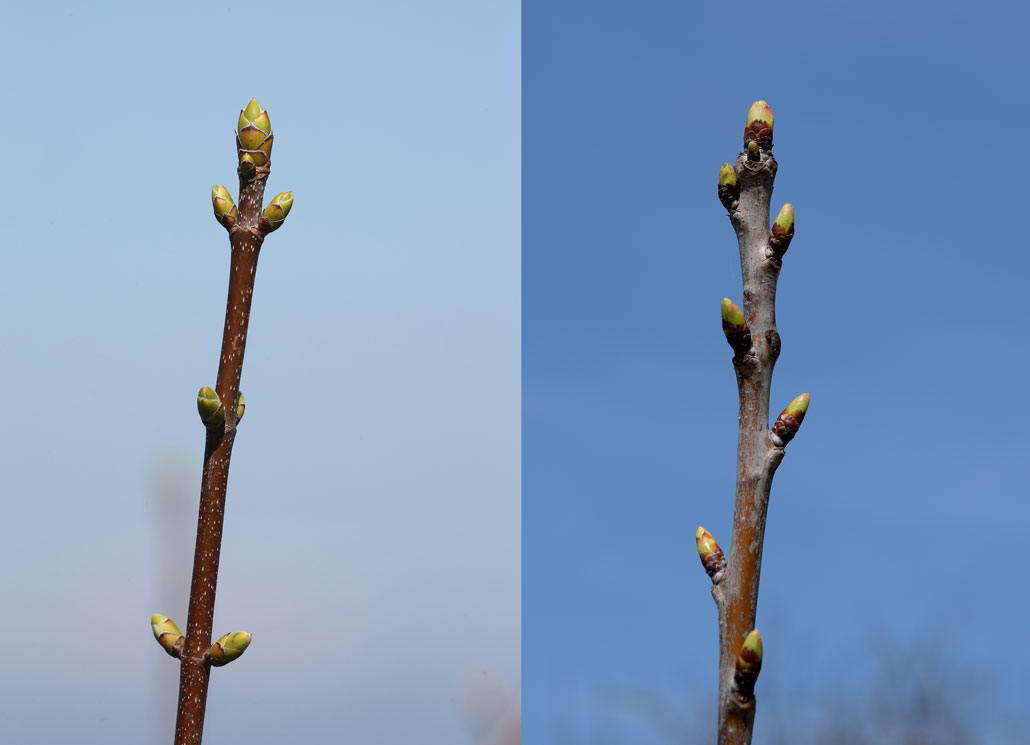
(228, 648)
(759, 127)
(781, 233)
(712, 557)
(225, 208)
(735, 327)
(749, 664)
(167, 634)
(276, 211)
(209, 406)
(789, 421)
(729, 192)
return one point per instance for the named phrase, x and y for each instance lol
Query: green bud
(735, 327)
(753, 151)
(759, 125)
(228, 648)
(749, 661)
(712, 557)
(727, 176)
(253, 137)
(167, 634)
(276, 211)
(781, 234)
(729, 192)
(225, 208)
(241, 406)
(209, 405)
(789, 420)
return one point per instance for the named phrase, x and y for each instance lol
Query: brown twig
(745, 189)
(247, 229)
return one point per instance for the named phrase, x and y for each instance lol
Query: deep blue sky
(372, 531)
(898, 517)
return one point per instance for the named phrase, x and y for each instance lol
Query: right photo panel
(774, 475)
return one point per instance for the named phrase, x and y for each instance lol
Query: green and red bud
(789, 421)
(225, 208)
(748, 665)
(167, 634)
(735, 327)
(712, 557)
(276, 211)
(759, 127)
(253, 138)
(228, 648)
(729, 191)
(781, 233)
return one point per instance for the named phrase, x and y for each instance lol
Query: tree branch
(247, 228)
(745, 189)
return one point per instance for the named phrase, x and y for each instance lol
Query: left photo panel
(310, 215)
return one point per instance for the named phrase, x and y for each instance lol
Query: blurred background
(372, 539)
(894, 578)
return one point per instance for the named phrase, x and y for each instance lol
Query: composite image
(550, 373)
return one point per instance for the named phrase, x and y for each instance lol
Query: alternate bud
(253, 137)
(729, 192)
(167, 634)
(276, 211)
(753, 151)
(749, 664)
(735, 328)
(789, 421)
(209, 405)
(712, 557)
(759, 127)
(241, 406)
(228, 648)
(225, 208)
(781, 233)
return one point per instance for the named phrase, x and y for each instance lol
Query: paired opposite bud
(209, 406)
(729, 192)
(276, 211)
(225, 208)
(781, 233)
(712, 557)
(167, 634)
(749, 664)
(253, 138)
(228, 648)
(759, 129)
(789, 421)
(735, 328)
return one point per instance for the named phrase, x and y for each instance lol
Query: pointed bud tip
(785, 219)
(700, 532)
(253, 109)
(760, 112)
(727, 176)
(753, 644)
(731, 313)
(799, 404)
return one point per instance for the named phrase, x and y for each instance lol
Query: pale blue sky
(372, 530)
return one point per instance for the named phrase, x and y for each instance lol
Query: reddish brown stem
(246, 240)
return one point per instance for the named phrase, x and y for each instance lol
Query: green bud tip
(759, 117)
(241, 406)
(277, 210)
(229, 647)
(209, 406)
(727, 176)
(785, 220)
(731, 314)
(753, 150)
(750, 658)
(798, 407)
(705, 542)
(165, 631)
